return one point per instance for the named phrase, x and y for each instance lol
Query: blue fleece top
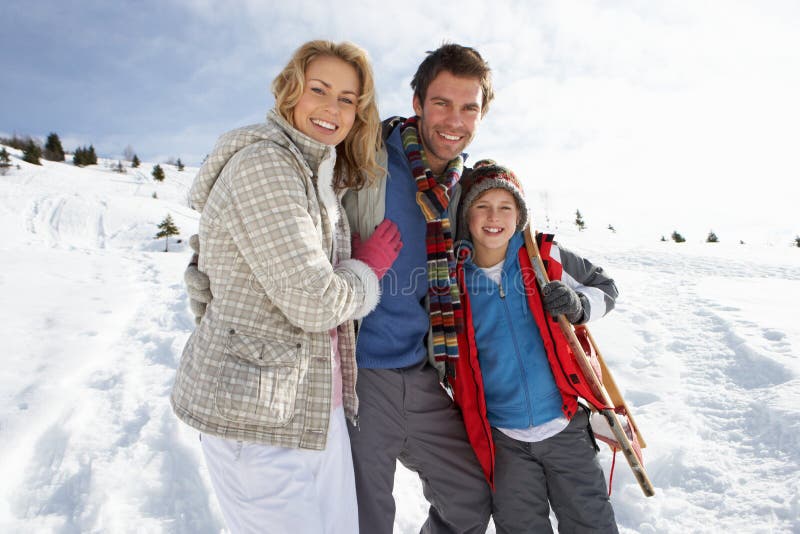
(393, 335)
(519, 387)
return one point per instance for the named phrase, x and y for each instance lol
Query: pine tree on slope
(32, 153)
(167, 228)
(5, 161)
(678, 238)
(53, 151)
(158, 173)
(579, 220)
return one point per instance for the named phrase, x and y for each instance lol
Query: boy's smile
(492, 219)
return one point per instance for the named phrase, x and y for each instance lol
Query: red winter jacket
(468, 383)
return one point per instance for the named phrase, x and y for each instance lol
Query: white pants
(266, 489)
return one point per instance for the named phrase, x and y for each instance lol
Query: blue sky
(672, 100)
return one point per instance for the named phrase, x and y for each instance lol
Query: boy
(512, 376)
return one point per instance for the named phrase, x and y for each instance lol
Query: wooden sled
(603, 386)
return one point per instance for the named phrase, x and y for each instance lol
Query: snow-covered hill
(704, 343)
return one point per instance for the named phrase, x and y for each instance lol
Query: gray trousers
(561, 471)
(405, 415)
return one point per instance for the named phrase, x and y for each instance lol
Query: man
(404, 413)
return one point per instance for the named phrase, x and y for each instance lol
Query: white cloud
(628, 94)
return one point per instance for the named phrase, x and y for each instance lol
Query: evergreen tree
(135, 161)
(179, 163)
(32, 153)
(79, 158)
(167, 228)
(84, 156)
(119, 168)
(579, 220)
(158, 173)
(663, 238)
(712, 237)
(5, 161)
(797, 241)
(155, 195)
(16, 141)
(53, 151)
(678, 238)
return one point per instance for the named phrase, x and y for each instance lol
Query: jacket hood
(277, 130)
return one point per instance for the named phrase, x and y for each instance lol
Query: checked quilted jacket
(277, 252)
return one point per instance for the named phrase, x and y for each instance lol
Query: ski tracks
(171, 494)
(43, 218)
(67, 220)
(77, 477)
(699, 370)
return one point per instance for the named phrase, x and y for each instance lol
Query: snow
(703, 344)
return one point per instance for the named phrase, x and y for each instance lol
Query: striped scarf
(433, 197)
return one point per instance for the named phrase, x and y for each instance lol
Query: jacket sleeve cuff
(369, 281)
(585, 312)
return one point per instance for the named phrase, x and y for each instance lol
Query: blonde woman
(268, 377)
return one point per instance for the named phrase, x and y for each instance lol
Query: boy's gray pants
(404, 414)
(561, 471)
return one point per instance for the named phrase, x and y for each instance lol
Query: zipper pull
(502, 293)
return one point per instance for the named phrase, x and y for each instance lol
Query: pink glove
(381, 249)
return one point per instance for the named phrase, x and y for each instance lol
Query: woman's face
(327, 109)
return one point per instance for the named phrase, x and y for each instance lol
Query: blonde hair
(356, 164)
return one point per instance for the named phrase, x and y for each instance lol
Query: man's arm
(197, 283)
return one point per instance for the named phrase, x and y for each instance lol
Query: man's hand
(197, 283)
(380, 250)
(560, 299)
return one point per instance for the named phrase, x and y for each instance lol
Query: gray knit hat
(486, 175)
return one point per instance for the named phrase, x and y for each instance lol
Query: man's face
(449, 117)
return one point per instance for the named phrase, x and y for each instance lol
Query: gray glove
(560, 299)
(197, 283)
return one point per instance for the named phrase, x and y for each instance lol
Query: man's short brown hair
(458, 60)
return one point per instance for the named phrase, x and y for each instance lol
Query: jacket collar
(313, 151)
(514, 244)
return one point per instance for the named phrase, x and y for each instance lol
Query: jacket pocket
(258, 380)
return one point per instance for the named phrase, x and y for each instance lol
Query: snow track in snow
(705, 374)
(110, 454)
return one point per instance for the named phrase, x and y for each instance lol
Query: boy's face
(492, 220)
